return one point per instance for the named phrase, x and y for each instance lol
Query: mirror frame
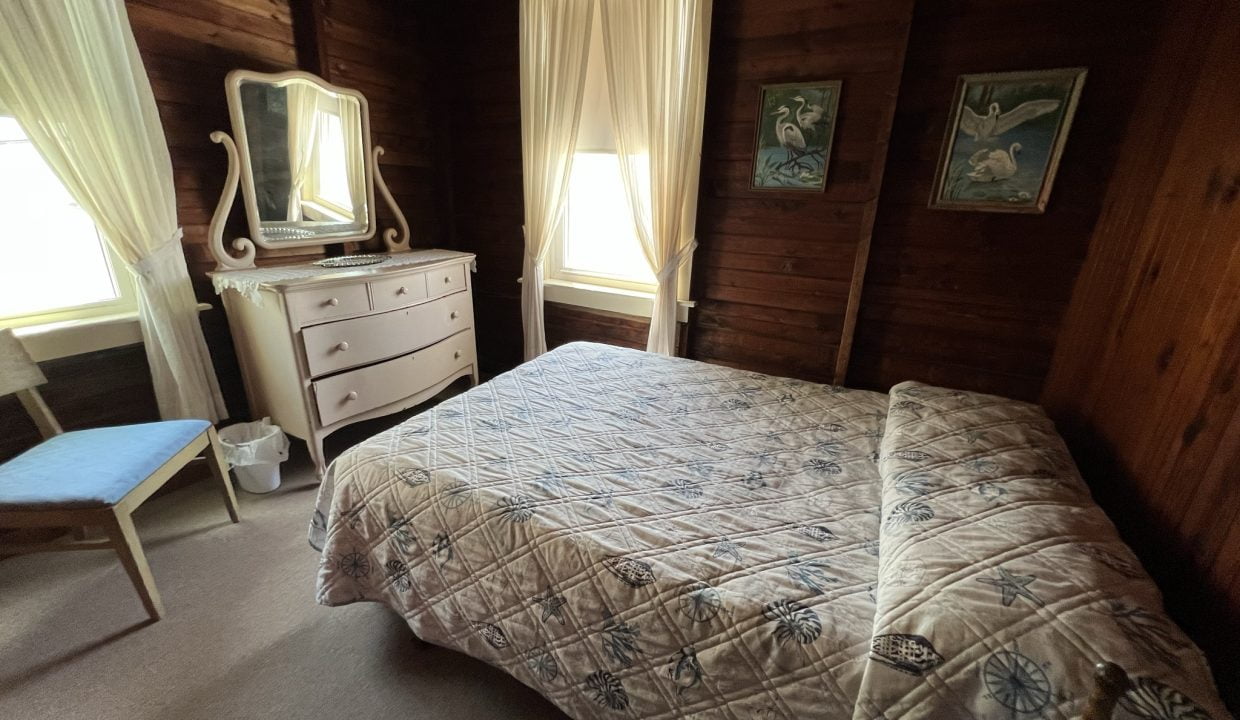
(232, 91)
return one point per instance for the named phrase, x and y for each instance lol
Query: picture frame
(793, 134)
(1004, 139)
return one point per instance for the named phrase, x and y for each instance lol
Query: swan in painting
(808, 115)
(994, 123)
(992, 165)
(789, 135)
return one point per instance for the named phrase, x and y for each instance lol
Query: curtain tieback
(535, 258)
(148, 263)
(680, 258)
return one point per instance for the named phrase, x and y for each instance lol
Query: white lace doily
(248, 282)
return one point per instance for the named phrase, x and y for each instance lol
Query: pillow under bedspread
(1002, 583)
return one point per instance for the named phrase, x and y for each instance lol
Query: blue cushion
(92, 468)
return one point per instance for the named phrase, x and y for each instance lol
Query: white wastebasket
(255, 451)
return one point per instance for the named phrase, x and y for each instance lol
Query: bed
(640, 536)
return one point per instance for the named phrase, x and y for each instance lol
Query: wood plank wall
(772, 274)
(110, 387)
(568, 323)
(966, 299)
(774, 270)
(387, 49)
(486, 169)
(188, 46)
(974, 300)
(1144, 379)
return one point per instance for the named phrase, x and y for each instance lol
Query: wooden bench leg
(219, 469)
(125, 540)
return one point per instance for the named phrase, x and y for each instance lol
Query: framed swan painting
(1004, 139)
(796, 122)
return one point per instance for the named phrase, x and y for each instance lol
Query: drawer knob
(333, 301)
(453, 315)
(402, 290)
(447, 278)
(456, 355)
(342, 346)
(351, 396)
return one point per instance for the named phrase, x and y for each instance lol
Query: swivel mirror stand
(394, 240)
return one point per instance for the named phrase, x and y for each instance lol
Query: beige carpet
(243, 637)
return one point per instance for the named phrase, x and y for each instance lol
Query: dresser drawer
(358, 391)
(445, 280)
(397, 292)
(310, 306)
(359, 341)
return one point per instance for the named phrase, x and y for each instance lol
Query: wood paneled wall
(772, 276)
(110, 387)
(188, 46)
(386, 48)
(486, 169)
(568, 323)
(774, 270)
(1144, 379)
(974, 300)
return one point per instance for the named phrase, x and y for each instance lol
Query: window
(331, 179)
(597, 243)
(55, 265)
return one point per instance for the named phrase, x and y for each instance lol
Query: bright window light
(599, 238)
(51, 255)
(333, 180)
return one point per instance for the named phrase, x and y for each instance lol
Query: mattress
(640, 536)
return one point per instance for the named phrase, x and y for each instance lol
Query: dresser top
(248, 282)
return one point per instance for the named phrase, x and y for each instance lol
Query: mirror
(307, 160)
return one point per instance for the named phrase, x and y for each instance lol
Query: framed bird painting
(1004, 138)
(796, 122)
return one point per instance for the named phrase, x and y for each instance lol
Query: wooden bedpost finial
(1110, 683)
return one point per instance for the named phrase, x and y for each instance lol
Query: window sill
(601, 297)
(50, 341)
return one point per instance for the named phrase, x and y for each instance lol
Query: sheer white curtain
(303, 132)
(71, 74)
(354, 156)
(656, 70)
(555, 42)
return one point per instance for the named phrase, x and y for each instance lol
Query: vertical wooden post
(310, 37)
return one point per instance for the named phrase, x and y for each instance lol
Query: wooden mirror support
(1110, 684)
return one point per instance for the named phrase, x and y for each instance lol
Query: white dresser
(322, 348)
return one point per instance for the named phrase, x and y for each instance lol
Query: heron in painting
(789, 135)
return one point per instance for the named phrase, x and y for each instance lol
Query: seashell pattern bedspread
(640, 536)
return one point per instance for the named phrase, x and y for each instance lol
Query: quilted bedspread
(640, 536)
